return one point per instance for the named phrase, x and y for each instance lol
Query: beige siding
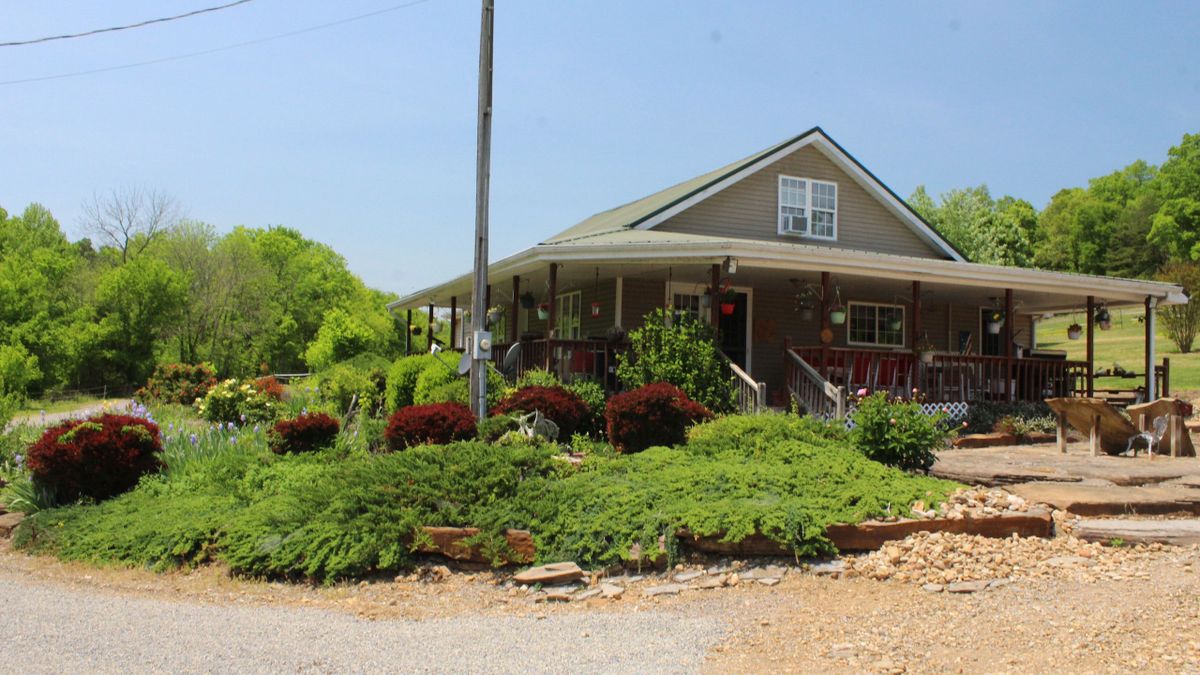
(606, 295)
(748, 210)
(641, 296)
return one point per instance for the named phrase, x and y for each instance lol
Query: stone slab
(996, 438)
(1175, 532)
(554, 573)
(9, 522)
(870, 535)
(1111, 500)
(449, 541)
(1027, 463)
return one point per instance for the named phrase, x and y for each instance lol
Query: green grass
(49, 406)
(1123, 344)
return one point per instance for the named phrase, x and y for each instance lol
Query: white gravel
(50, 629)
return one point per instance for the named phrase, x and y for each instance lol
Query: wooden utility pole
(483, 158)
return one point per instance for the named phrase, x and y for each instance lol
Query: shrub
(181, 383)
(433, 423)
(236, 401)
(431, 380)
(896, 432)
(1182, 322)
(593, 396)
(654, 414)
(18, 371)
(361, 380)
(984, 416)
(751, 435)
(561, 406)
(305, 433)
(491, 429)
(538, 377)
(683, 354)
(98, 457)
(270, 386)
(402, 380)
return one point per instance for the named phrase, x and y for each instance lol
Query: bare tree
(131, 218)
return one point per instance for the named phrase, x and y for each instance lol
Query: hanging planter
(995, 321)
(543, 311)
(1074, 331)
(806, 313)
(527, 300)
(494, 314)
(925, 350)
(728, 298)
(837, 311)
(595, 309)
(706, 299)
(895, 324)
(1103, 318)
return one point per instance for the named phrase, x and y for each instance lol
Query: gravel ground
(48, 629)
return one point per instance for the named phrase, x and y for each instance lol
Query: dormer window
(807, 207)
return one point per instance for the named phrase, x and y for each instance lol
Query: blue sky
(363, 135)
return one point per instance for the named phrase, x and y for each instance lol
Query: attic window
(807, 207)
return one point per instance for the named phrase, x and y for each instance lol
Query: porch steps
(1094, 499)
(1181, 532)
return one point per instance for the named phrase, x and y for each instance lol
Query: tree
(130, 219)
(1182, 322)
(136, 303)
(996, 232)
(342, 335)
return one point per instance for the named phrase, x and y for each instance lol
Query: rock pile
(939, 559)
(977, 501)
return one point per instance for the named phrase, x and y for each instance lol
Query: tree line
(1141, 221)
(148, 286)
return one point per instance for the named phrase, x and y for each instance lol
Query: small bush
(654, 414)
(402, 380)
(538, 377)
(430, 382)
(752, 435)
(361, 381)
(984, 416)
(433, 423)
(178, 383)
(305, 433)
(896, 432)
(595, 399)
(98, 457)
(236, 401)
(561, 406)
(270, 386)
(491, 429)
(681, 352)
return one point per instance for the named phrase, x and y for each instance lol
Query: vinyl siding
(749, 208)
(606, 295)
(641, 296)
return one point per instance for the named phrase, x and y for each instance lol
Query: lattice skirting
(956, 409)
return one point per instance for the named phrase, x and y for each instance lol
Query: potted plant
(837, 311)
(805, 308)
(895, 322)
(527, 301)
(543, 311)
(728, 300)
(924, 349)
(706, 298)
(1103, 318)
(995, 321)
(1074, 331)
(595, 309)
(494, 313)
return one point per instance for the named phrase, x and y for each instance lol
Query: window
(807, 207)
(566, 315)
(875, 325)
(686, 303)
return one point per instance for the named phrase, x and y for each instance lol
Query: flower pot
(527, 301)
(727, 308)
(543, 312)
(1104, 325)
(706, 300)
(595, 309)
(837, 317)
(894, 324)
(493, 317)
(1074, 332)
(994, 327)
(806, 313)
(927, 357)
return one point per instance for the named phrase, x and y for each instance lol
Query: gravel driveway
(51, 629)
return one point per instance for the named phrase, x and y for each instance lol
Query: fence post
(1166, 379)
(760, 403)
(841, 402)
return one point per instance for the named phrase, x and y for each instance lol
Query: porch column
(553, 314)
(515, 318)
(1008, 345)
(1091, 346)
(826, 291)
(915, 323)
(1151, 381)
(430, 328)
(454, 322)
(713, 302)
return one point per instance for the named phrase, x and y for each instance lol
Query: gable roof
(649, 211)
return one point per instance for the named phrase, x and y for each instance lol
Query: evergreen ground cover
(345, 512)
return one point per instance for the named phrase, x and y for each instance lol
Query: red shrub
(306, 433)
(270, 386)
(178, 383)
(562, 406)
(654, 414)
(436, 423)
(98, 457)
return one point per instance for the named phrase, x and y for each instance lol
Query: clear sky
(362, 135)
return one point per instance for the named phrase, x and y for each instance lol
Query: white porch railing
(815, 394)
(751, 396)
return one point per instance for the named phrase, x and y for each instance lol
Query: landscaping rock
(967, 587)
(985, 440)
(827, 567)
(1096, 500)
(933, 588)
(1177, 532)
(9, 522)
(684, 577)
(554, 573)
(588, 594)
(666, 589)
(770, 571)
(768, 581)
(611, 591)
(1069, 560)
(449, 541)
(711, 582)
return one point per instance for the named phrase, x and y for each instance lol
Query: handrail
(751, 394)
(819, 396)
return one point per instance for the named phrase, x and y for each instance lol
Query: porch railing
(570, 360)
(750, 395)
(813, 392)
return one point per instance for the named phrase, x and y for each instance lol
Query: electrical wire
(113, 29)
(204, 52)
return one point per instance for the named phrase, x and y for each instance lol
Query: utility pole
(481, 339)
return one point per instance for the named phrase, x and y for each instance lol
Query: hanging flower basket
(806, 313)
(837, 317)
(1074, 331)
(895, 324)
(727, 308)
(527, 300)
(728, 298)
(1103, 318)
(595, 309)
(494, 314)
(706, 299)
(543, 311)
(995, 321)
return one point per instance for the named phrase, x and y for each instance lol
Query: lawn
(1124, 344)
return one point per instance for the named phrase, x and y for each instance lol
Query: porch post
(915, 323)
(826, 291)
(1091, 346)
(1151, 380)
(487, 302)
(552, 316)
(407, 332)
(514, 318)
(1008, 345)
(714, 309)
(454, 322)
(430, 328)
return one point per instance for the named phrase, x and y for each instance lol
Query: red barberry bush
(653, 414)
(562, 406)
(270, 386)
(99, 457)
(306, 433)
(435, 423)
(181, 383)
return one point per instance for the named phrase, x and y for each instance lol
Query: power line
(236, 45)
(113, 29)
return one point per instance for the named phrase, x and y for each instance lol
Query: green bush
(402, 380)
(593, 395)
(751, 435)
(683, 354)
(896, 432)
(236, 401)
(984, 416)
(18, 371)
(538, 377)
(491, 429)
(431, 380)
(361, 380)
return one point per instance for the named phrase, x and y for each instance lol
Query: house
(819, 279)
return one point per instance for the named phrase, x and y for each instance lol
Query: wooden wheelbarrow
(1109, 431)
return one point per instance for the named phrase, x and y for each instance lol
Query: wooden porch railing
(811, 390)
(750, 395)
(570, 360)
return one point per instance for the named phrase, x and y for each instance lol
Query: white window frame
(808, 208)
(573, 325)
(876, 306)
(682, 288)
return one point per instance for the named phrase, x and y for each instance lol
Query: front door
(732, 331)
(989, 343)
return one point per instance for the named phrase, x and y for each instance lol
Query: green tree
(1182, 322)
(996, 232)
(137, 303)
(681, 352)
(340, 337)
